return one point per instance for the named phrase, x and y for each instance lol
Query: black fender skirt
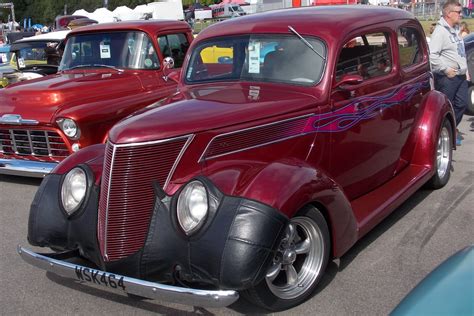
(232, 250)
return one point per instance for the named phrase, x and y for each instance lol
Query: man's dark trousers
(456, 89)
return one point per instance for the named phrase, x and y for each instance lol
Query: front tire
(298, 265)
(470, 101)
(444, 156)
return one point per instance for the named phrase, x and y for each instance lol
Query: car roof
(149, 26)
(51, 36)
(324, 21)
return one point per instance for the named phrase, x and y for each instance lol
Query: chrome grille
(127, 192)
(37, 143)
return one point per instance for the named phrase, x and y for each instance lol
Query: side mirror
(168, 63)
(349, 80)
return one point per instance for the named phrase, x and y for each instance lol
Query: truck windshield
(132, 50)
(272, 58)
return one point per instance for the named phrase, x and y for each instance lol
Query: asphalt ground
(368, 280)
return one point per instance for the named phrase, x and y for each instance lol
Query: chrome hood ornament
(15, 119)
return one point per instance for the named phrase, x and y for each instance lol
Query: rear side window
(367, 55)
(175, 46)
(409, 46)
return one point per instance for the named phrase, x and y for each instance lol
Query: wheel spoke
(273, 272)
(303, 247)
(291, 233)
(291, 275)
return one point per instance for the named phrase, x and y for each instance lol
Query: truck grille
(32, 143)
(127, 198)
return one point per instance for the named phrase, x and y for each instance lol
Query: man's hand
(451, 72)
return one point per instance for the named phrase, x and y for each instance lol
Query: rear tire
(444, 156)
(298, 265)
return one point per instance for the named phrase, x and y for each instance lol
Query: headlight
(73, 190)
(192, 207)
(69, 127)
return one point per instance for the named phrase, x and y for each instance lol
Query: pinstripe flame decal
(351, 114)
(335, 121)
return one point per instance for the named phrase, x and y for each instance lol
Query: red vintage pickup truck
(107, 72)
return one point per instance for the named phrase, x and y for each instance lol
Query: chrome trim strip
(201, 159)
(152, 290)
(26, 168)
(178, 159)
(151, 142)
(107, 205)
(12, 135)
(48, 145)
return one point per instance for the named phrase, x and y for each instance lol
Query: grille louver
(127, 192)
(32, 143)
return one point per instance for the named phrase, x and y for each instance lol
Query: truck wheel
(298, 265)
(470, 103)
(444, 156)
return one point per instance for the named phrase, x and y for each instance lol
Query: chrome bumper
(25, 168)
(187, 296)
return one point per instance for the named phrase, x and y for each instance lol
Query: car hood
(40, 99)
(210, 107)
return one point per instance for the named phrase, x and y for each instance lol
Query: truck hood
(210, 107)
(40, 99)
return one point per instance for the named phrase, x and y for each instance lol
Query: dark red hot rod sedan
(294, 133)
(107, 72)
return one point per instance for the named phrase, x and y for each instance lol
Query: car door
(365, 120)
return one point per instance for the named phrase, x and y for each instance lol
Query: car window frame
(362, 32)
(425, 55)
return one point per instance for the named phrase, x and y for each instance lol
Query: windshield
(236, 8)
(272, 58)
(133, 50)
(37, 53)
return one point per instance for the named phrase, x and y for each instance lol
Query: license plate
(99, 277)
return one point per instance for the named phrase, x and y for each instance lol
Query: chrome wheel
(443, 152)
(299, 259)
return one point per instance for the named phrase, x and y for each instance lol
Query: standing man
(448, 59)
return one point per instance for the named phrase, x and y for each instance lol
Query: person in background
(464, 29)
(382, 66)
(363, 71)
(448, 59)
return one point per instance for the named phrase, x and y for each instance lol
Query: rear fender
(434, 109)
(288, 185)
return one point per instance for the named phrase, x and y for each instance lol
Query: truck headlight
(192, 207)
(73, 190)
(69, 128)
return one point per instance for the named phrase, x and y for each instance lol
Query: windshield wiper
(107, 66)
(94, 65)
(292, 30)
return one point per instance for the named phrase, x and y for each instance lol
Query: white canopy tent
(82, 12)
(102, 15)
(124, 13)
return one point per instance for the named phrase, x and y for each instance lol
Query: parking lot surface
(370, 279)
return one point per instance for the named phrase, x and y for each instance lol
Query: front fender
(290, 184)
(93, 156)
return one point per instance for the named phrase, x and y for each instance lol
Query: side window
(175, 46)
(367, 55)
(409, 46)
